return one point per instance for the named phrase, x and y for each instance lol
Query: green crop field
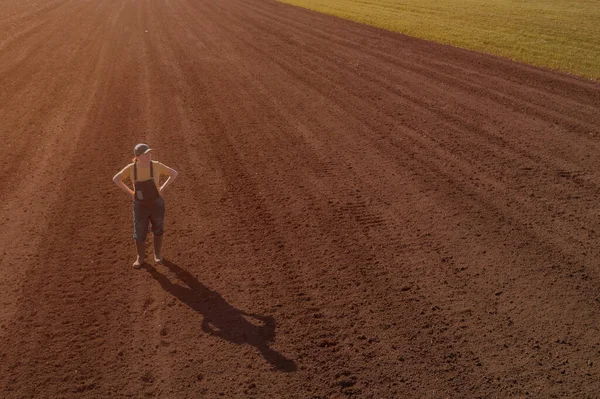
(557, 34)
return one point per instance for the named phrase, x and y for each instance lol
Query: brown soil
(358, 213)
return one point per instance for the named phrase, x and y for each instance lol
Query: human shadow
(220, 318)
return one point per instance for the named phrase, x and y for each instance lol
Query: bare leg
(158, 258)
(141, 254)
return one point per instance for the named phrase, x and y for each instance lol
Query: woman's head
(142, 153)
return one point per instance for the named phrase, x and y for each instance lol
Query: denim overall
(148, 206)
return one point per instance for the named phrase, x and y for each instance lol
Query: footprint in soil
(220, 318)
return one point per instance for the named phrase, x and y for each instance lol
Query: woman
(148, 204)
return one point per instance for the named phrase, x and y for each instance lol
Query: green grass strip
(556, 34)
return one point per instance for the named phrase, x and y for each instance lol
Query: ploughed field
(358, 213)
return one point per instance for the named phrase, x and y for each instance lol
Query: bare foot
(138, 263)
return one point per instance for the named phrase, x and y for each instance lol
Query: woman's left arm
(172, 176)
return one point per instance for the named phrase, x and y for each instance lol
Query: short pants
(144, 213)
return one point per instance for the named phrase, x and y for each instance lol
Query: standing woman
(148, 204)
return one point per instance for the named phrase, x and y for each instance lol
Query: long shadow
(220, 319)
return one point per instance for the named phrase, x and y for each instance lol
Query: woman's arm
(172, 176)
(118, 180)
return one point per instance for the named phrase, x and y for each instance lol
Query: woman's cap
(141, 149)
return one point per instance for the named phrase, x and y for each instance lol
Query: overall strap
(135, 171)
(151, 172)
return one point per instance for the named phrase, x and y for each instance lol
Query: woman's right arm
(118, 180)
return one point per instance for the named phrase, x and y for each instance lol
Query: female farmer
(148, 204)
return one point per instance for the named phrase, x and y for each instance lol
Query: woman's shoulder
(161, 167)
